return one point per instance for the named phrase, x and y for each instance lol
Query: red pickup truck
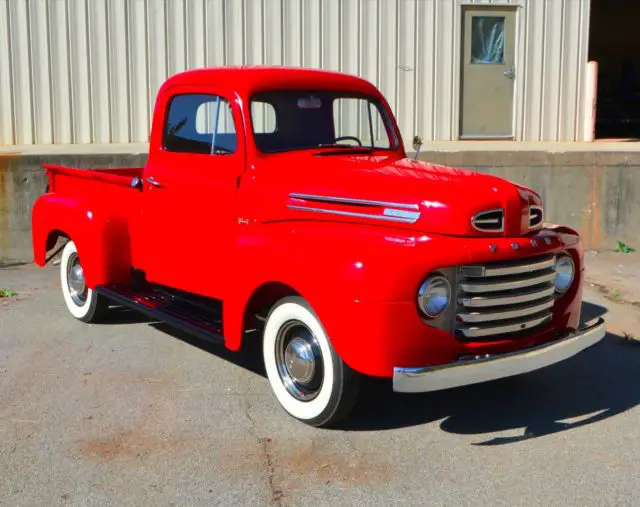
(282, 200)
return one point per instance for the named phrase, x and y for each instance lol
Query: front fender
(333, 266)
(362, 283)
(102, 240)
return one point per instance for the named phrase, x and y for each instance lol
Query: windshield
(297, 120)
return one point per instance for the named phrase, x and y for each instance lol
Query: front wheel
(306, 374)
(82, 302)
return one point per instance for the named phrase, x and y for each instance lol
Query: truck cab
(279, 205)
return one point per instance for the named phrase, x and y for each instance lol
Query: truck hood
(382, 190)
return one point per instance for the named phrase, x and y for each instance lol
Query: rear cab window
(197, 123)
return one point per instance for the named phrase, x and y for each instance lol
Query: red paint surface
(220, 226)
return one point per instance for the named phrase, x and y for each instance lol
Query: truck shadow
(597, 384)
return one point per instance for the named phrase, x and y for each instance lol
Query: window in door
(487, 40)
(201, 124)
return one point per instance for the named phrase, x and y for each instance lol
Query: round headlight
(434, 295)
(565, 271)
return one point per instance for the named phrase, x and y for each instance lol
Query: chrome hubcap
(299, 360)
(75, 280)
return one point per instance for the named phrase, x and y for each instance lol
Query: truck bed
(99, 209)
(59, 176)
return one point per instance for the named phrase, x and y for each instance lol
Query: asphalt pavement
(134, 413)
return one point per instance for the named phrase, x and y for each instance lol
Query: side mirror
(417, 143)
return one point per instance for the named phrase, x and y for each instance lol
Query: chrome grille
(499, 300)
(489, 221)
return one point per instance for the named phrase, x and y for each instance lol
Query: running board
(166, 307)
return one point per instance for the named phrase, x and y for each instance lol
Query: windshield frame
(377, 102)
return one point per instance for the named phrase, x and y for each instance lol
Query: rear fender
(102, 240)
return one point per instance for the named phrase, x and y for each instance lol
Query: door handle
(511, 72)
(152, 181)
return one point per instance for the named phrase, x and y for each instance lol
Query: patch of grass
(614, 295)
(624, 248)
(7, 293)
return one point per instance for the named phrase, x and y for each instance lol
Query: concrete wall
(596, 193)
(21, 182)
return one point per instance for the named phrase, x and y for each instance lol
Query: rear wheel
(82, 302)
(306, 374)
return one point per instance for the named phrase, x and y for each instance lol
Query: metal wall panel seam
(563, 49)
(8, 136)
(70, 115)
(523, 68)
(48, 29)
(91, 111)
(434, 67)
(543, 88)
(456, 72)
(30, 70)
(415, 71)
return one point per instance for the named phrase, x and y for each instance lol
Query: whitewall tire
(82, 302)
(306, 374)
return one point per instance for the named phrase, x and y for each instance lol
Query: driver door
(190, 193)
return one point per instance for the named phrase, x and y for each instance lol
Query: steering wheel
(349, 138)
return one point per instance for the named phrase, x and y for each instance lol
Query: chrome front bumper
(483, 369)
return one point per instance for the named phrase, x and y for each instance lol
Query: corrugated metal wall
(87, 71)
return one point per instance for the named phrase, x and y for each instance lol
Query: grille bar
(489, 301)
(495, 286)
(489, 221)
(535, 217)
(477, 331)
(509, 269)
(511, 313)
(500, 299)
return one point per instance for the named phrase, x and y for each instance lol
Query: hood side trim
(408, 217)
(353, 202)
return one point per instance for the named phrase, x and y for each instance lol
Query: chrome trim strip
(476, 332)
(412, 220)
(350, 201)
(487, 302)
(513, 270)
(474, 219)
(400, 213)
(500, 286)
(507, 314)
(483, 369)
(539, 224)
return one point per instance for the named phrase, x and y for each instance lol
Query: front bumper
(483, 369)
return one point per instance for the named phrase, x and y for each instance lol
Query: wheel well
(261, 302)
(53, 237)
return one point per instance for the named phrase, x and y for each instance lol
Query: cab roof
(248, 80)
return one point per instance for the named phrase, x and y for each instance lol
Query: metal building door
(488, 73)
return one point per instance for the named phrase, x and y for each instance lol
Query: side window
(199, 124)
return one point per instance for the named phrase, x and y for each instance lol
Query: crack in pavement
(264, 442)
